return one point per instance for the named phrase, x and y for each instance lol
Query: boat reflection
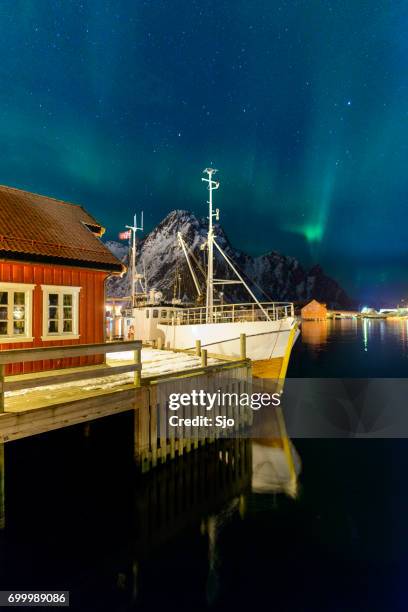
(209, 489)
(275, 463)
(275, 469)
(137, 528)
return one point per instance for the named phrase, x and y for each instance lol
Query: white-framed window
(16, 303)
(60, 312)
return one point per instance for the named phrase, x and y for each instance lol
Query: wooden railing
(158, 442)
(61, 352)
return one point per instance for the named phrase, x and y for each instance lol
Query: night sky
(301, 105)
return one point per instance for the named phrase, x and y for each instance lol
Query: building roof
(38, 228)
(314, 304)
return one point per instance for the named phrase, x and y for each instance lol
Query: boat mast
(190, 267)
(212, 185)
(134, 228)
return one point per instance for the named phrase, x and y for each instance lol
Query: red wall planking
(91, 309)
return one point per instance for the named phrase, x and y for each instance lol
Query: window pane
(19, 298)
(67, 312)
(18, 313)
(53, 299)
(67, 299)
(52, 327)
(67, 325)
(3, 313)
(3, 297)
(18, 327)
(3, 328)
(53, 312)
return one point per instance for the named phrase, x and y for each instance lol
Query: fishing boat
(270, 327)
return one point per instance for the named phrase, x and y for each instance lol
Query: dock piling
(204, 358)
(138, 361)
(141, 434)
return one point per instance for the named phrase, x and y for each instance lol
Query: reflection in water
(214, 525)
(275, 469)
(362, 348)
(366, 323)
(314, 332)
(186, 491)
(108, 536)
(218, 526)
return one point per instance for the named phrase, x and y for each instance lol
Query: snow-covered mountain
(119, 249)
(281, 278)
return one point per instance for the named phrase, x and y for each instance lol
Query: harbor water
(189, 536)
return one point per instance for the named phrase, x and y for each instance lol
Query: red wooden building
(314, 311)
(53, 268)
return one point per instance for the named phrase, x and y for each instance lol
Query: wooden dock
(31, 404)
(37, 403)
(131, 378)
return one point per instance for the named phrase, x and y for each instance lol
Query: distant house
(314, 311)
(53, 268)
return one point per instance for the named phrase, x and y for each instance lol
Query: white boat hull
(264, 339)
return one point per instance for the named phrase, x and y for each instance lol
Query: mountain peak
(271, 276)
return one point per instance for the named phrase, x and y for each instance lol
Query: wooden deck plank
(21, 424)
(77, 374)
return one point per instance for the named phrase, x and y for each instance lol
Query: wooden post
(204, 357)
(153, 423)
(138, 360)
(160, 343)
(162, 403)
(188, 429)
(198, 348)
(2, 496)
(141, 434)
(2, 376)
(242, 342)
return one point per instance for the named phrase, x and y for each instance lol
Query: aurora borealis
(302, 105)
